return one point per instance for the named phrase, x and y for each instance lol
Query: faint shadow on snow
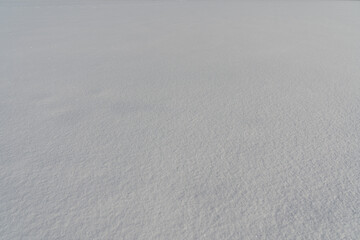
(70, 117)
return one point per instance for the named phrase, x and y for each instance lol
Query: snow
(179, 120)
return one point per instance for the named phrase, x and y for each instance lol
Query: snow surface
(179, 120)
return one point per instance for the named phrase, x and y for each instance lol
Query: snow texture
(179, 120)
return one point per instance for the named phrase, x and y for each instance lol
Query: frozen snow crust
(179, 120)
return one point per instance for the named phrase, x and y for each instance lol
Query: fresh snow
(179, 120)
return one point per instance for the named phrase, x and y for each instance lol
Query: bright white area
(179, 120)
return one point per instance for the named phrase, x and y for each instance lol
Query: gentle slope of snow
(179, 120)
